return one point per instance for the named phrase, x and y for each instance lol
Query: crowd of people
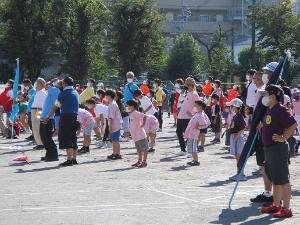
(64, 109)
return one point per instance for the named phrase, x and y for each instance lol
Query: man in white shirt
(251, 89)
(36, 110)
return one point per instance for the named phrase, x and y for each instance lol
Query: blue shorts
(115, 136)
(87, 131)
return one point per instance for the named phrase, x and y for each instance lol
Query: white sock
(267, 193)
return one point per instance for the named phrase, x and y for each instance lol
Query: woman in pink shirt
(87, 122)
(138, 133)
(186, 112)
(199, 121)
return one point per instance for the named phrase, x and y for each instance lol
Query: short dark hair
(137, 93)
(210, 78)
(215, 96)
(100, 92)
(10, 81)
(27, 81)
(157, 81)
(119, 94)
(91, 101)
(218, 82)
(68, 81)
(179, 81)
(133, 103)
(251, 72)
(201, 104)
(110, 93)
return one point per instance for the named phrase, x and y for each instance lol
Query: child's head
(287, 101)
(119, 95)
(138, 94)
(215, 98)
(200, 106)
(100, 94)
(91, 103)
(110, 95)
(132, 105)
(248, 110)
(236, 105)
(296, 94)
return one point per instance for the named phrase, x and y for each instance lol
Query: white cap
(235, 102)
(271, 66)
(295, 91)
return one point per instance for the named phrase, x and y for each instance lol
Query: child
(203, 131)
(138, 133)
(192, 132)
(151, 127)
(114, 123)
(145, 103)
(87, 122)
(216, 118)
(236, 130)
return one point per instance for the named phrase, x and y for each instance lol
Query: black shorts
(276, 165)
(216, 127)
(203, 131)
(67, 131)
(259, 151)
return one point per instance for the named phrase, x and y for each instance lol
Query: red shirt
(207, 89)
(232, 94)
(5, 100)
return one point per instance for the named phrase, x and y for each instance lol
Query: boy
(138, 134)
(277, 126)
(160, 97)
(114, 123)
(237, 127)
(216, 118)
(199, 121)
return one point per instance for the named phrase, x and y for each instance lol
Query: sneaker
(283, 213)
(100, 144)
(243, 178)
(136, 164)
(233, 178)
(181, 153)
(189, 155)
(124, 139)
(216, 141)
(116, 157)
(261, 199)
(200, 149)
(51, 159)
(30, 138)
(151, 150)
(83, 151)
(97, 138)
(38, 147)
(109, 145)
(111, 156)
(194, 163)
(159, 130)
(43, 158)
(74, 162)
(66, 163)
(270, 209)
(142, 165)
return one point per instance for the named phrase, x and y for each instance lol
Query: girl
(216, 118)
(151, 126)
(198, 122)
(236, 131)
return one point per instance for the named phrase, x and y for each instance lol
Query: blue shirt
(69, 101)
(129, 89)
(53, 93)
(31, 94)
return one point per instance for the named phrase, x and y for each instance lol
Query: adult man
(68, 102)
(259, 84)
(186, 112)
(30, 97)
(250, 89)
(277, 126)
(129, 90)
(46, 127)
(36, 109)
(160, 98)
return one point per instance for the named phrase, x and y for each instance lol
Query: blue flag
(15, 107)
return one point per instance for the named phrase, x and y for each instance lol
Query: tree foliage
(135, 39)
(185, 57)
(278, 28)
(28, 33)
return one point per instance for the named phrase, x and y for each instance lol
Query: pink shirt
(151, 123)
(188, 105)
(229, 119)
(199, 121)
(85, 118)
(296, 107)
(136, 130)
(114, 116)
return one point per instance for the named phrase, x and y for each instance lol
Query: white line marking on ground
(173, 195)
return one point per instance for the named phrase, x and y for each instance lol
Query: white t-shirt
(145, 103)
(251, 92)
(101, 109)
(39, 99)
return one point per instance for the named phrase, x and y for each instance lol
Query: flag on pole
(15, 107)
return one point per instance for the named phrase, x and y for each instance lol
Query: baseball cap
(235, 102)
(271, 66)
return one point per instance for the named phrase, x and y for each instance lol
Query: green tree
(80, 27)
(135, 39)
(185, 57)
(245, 59)
(277, 28)
(218, 62)
(28, 34)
